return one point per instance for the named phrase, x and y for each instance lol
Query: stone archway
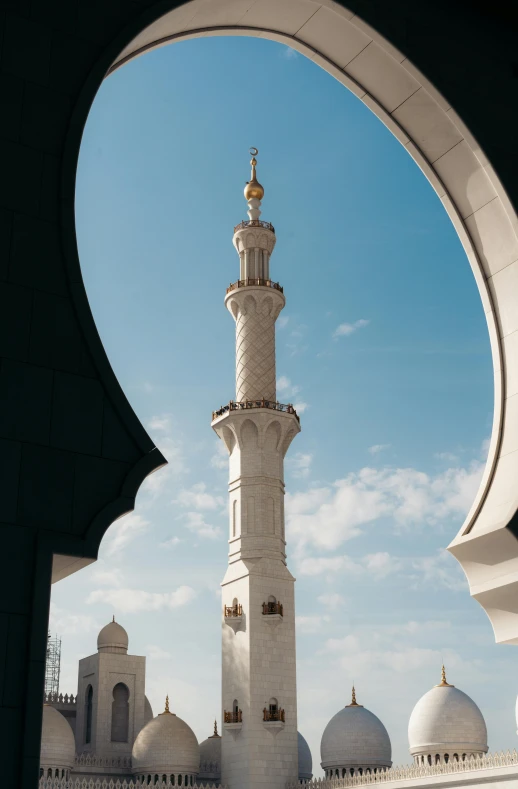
(73, 452)
(434, 135)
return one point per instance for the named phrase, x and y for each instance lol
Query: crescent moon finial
(253, 151)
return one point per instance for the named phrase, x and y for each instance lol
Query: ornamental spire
(167, 705)
(215, 728)
(254, 192)
(443, 683)
(354, 703)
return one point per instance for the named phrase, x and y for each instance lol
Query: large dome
(166, 745)
(355, 738)
(113, 638)
(446, 721)
(305, 760)
(210, 758)
(58, 747)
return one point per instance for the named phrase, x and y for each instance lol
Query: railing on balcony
(273, 715)
(233, 717)
(254, 223)
(273, 608)
(264, 283)
(233, 610)
(274, 405)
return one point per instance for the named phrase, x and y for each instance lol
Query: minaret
(259, 691)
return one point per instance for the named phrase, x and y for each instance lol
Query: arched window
(463, 757)
(273, 706)
(120, 713)
(437, 758)
(446, 758)
(343, 772)
(429, 759)
(272, 599)
(179, 780)
(89, 700)
(455, 757)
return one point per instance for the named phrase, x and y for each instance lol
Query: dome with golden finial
(210, 758)
(445, 725)
(253, 189)
(354, 741)
(166, 745)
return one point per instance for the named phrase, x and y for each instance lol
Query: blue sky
(382, 345)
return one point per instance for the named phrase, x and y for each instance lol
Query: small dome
(166, 745)
(58, 747)
(355, 738)
(210, 758)
(253, 188)
(305, 760)
(446, 721)
(113, 638)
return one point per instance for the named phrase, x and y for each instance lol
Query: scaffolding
(52, 666)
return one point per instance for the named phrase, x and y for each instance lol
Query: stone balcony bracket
(235, 622)
(233, 728)
(273, 619)
(274, 727)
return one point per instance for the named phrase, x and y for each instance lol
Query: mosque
(107, 736)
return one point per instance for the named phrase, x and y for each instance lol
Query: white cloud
(155, 652)
(198, 498)
(441, 569)
(220, 458)
(134, 600)
(289, 54)
(63, 622)
(107, 576)
(299, 464)
(282, 321)
(196, 523)
(328, 516)
(449, 457)
(300, 407)
(172, 542)
(286, 388)
(381, 564)
(310, 624)
(328, 564)
(124, 531)
(345, 329)
(375, 449)
(332, 600)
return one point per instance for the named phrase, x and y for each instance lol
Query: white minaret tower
(259, 693)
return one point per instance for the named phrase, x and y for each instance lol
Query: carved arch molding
(441, 76)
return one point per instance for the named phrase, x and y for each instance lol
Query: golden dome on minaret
(253, 188)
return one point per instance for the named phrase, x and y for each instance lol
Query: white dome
(166, 745)
(305, 760)
(58, 747)
(210, 758)
(354, 738)
(112, 638)
(446, 720)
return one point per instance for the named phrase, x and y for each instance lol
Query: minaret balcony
(233, 721)
(274, 405)
(253, 281)
(233, 615)
(273, 609)
(254, 223)
(273, 720)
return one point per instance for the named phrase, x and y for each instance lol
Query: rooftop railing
(273, 608)
(273, 404)
(249, 281)
(273, 715)
(233, 717)
(254, 223)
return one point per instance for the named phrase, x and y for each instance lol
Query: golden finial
(113, 620)
(443, 683)
(354, 703)
(253, 188)
(167, 704)
(215, 728)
